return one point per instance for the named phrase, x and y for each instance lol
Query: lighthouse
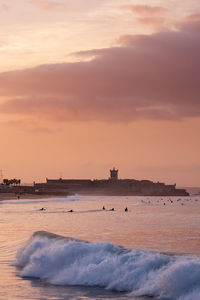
(113, 174)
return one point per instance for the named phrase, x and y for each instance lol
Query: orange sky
(88, 85)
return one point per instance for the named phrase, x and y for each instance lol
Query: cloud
(67, 5)
(155, 22)
(153, 77)
(145, 10)
(190, 23)
(154, 16)
(49, 4)
(29, 125)
(4, 7)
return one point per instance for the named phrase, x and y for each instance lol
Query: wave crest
(66, 261)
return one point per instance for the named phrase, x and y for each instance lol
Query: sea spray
(66, 261)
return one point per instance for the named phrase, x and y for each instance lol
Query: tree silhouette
(13, 181)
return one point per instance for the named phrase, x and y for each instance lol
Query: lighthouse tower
(114, 174)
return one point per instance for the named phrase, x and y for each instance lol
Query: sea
(151, 251)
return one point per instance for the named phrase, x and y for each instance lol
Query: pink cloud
(148, 77)
(146, 10)
(155, 22)
(49, 4)
(5, 7)
(191, 23)
(154, 16)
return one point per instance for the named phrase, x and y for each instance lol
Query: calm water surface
(148, 225)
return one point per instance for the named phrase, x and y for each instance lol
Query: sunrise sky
(86, 85)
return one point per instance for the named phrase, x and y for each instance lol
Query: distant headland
(111, 186)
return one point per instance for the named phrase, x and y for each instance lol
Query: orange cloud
(32, 126)
(148, 77)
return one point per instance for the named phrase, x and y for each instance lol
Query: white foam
(70, 262)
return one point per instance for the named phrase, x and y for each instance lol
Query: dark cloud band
(147, 77)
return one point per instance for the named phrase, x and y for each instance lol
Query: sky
(87, 85)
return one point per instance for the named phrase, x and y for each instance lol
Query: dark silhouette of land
(110, 186)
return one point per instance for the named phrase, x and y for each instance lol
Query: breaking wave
(66, 261)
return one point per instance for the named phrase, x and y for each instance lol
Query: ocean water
(150, 252)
